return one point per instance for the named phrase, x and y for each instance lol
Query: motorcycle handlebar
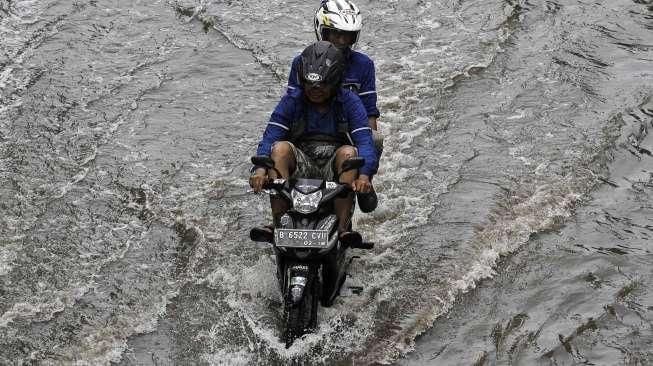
(279, 184)
(274, 184)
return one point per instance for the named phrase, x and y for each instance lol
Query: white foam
(45, 311)
(226, 358)
(7, 256)
(537, 212)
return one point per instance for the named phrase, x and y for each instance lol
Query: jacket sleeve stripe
(367, 92)
(279, 125)
(361, 129)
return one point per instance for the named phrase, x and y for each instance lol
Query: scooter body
(311, 260)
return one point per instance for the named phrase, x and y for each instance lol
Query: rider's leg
(343, 205)
(367, 202)
(284, 161)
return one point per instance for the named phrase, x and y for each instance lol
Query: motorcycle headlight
(306, 203)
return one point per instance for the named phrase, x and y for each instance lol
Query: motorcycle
(311, 259)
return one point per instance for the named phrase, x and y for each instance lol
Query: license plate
(298, 238)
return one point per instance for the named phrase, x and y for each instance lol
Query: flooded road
(515, 214)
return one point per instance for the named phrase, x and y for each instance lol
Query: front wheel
(301, 316)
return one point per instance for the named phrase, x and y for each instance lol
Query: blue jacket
(293, 107)
(359, 78)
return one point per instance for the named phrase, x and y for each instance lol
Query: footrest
(351, 239)
(260, 234)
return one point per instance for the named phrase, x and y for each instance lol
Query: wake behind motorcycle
(311, 259)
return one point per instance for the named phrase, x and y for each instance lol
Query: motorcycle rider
(314, 129)
(340, 22)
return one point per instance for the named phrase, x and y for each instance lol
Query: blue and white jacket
(359, 77)
(346, 106)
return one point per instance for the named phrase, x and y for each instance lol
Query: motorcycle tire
(301, 318)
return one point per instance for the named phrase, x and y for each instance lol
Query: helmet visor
(338, 37)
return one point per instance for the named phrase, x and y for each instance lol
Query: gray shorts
(317, 162)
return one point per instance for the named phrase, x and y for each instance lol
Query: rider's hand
(258, 179)
(362, 184)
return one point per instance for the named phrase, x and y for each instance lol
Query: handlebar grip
(274, 183)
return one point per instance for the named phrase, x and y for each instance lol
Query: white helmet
(342, 15)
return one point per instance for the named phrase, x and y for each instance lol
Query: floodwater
(516, 185)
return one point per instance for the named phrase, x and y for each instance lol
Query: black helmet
(321, 63)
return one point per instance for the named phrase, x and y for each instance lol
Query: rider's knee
(346, 152)
(281, 149)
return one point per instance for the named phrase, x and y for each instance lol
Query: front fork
(297, 288)
(297, 278)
